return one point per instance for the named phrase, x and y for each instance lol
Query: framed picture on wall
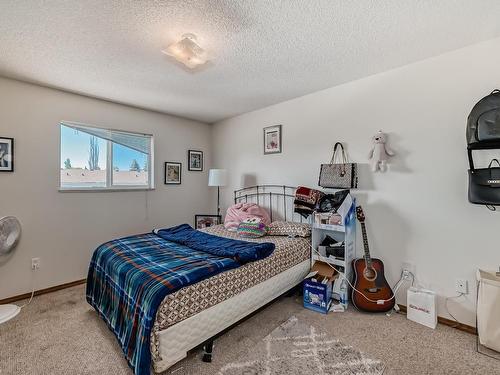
(205, 221)
(272, 139)
(173, 171)
(195, 160)
(6, 154)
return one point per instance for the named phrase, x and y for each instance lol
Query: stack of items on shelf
(333, 248)
(330, 247)
(332, 209)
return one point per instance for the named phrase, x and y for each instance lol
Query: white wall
(63, 229)
(418, 211)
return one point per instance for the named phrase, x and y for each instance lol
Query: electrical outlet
(408, 269)
(462, 286)
(35, 264)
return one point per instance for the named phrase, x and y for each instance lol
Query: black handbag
(484, 185)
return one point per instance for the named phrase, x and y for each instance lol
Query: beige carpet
(60, 334)
(295, 347)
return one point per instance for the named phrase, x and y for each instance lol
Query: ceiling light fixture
(187, 51)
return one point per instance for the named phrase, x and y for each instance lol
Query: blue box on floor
(318, 288)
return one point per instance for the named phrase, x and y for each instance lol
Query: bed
(196, 313)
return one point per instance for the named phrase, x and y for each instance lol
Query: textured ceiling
(263, 52)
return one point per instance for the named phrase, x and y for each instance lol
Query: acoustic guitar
(374, 293)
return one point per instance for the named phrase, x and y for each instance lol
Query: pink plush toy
(379, 153)
(242, 211)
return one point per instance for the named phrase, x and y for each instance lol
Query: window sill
(103, 190)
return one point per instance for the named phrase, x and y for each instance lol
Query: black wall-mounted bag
(483, 133)
(483, 123)
(484, 185)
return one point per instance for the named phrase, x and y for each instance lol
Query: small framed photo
(173, 171)
(6, 154)
(272, 139)
(205, 221)
(195, 160)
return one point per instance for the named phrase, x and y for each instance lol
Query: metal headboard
(278, 199)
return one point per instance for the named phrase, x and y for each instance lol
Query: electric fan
(10, 230)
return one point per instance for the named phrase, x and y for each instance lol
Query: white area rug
(298, 348)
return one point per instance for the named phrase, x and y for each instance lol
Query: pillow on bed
(242, 211)
(252, 228)
(287, 228)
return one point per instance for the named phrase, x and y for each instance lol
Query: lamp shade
(217, 177)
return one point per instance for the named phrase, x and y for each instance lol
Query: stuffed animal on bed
(241, 211)
(252, 227)
(380, 152)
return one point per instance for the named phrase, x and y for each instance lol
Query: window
(101, 159)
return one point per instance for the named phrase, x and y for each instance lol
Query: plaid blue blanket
(242, 251)
(129, 278)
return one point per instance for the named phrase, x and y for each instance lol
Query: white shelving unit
(345, 232)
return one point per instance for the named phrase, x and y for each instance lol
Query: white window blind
(135, 141)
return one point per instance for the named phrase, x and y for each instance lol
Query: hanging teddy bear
(380, 152)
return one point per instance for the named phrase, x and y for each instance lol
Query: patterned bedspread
(129, 277)
(195, 298)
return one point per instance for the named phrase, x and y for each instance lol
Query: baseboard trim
(42, 291)
(450, 323)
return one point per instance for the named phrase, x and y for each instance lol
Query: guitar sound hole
(370, 274)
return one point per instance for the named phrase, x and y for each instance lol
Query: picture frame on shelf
(6, 154)
(173, 173)
(272, 140)
(195, 160)
(206, 221)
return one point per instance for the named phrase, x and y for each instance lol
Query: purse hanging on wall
(338, 175)
(484, 185)
(483, 133)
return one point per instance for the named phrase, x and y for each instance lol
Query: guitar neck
(368, 258)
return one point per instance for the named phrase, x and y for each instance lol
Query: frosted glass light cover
(187, 51)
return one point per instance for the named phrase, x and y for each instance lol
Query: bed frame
(278, 199)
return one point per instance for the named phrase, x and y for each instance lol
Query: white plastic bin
(488, 309)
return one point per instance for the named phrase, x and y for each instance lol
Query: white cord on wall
(448, 310)
(31, 298)
(32, 291)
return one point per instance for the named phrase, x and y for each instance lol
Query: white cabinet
(345, 232)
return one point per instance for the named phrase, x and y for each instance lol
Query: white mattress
(177, 340)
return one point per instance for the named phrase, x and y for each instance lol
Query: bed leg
(207, 351)
(295, 291)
